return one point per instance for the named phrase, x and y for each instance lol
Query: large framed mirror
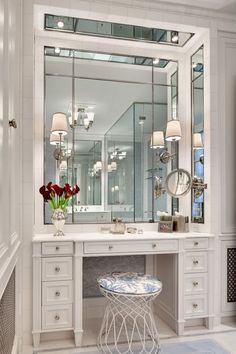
(114, 104)
(197, 65)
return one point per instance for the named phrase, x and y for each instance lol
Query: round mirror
(178, 183)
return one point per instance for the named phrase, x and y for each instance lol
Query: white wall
(10, 144)
(146, 13)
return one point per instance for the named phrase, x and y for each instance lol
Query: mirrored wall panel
(117, 108)
(197, 64)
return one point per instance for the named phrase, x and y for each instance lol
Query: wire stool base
(128, 326)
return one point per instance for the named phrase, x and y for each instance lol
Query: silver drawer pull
(154, 245)
(195, 243)
(57, 248)
(195, 306)
(57, 269)
(195, 283)
(110, 247)
(195, 261)
(57, 293)
(57, 317)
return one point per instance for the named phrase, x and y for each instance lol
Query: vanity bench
(184, 262)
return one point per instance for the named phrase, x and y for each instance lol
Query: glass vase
(59, 219)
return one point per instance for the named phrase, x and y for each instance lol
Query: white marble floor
(225, 335)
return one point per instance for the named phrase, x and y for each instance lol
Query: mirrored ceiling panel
(113, 58)
(116, 30)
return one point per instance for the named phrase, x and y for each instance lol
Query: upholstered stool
(128, 316)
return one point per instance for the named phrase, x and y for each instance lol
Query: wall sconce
(157, 140)
(63, 165)
(109, 169)
(59, 128)
(197, 141)
(173, 130)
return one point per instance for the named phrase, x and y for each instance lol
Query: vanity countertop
(99, 236)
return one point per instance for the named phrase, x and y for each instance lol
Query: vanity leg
(36, 339)
(180, 328)
(78, 338)
(210, 322)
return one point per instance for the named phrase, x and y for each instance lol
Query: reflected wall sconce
(157, 140)
(82, 118)
(174, 37)
(173, 130)
(197, 141)
(113, 166)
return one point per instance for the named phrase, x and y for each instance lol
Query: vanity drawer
(196, 243)
(195, 283)
(57, 268)
(195, 262)
(195, 306)
(130, 247)
(54, 317)
(57, 292)
(57, 248)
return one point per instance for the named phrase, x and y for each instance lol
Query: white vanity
(183, 261)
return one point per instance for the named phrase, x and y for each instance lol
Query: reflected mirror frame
(200, 68)
(178, 170)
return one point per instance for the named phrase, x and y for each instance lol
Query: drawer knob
(57, 248)
(57, 269)
(195, 243)
(154, 245)
(57, 317)
(110, 247)
(195, 261)
(195, 283)
(195, 306)
(57, 293)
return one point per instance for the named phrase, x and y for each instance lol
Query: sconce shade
(157, 140)
(109, 169)
(90, 116)
(59, 124)
(113, 166)
(99, 165)
(55, 139)
(63, 165)
(197, 141)
(173, 130)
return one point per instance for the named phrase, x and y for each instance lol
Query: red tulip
(45, 193)
(58, 190)
(76, 189)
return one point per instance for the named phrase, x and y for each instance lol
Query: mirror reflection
(116, 115)
(197, 64)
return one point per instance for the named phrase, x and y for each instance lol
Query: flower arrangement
(58, 197)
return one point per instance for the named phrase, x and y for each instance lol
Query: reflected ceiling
(116, 30)
(114, 58)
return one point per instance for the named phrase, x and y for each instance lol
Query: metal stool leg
(128, 319)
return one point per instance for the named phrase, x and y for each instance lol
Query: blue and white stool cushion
(130, 283)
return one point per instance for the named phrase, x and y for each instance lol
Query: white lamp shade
(113, 165)
(86, 122)
(173, 130)
(157, 140)
(55, 139)
(90, 116)
(109, 169)
(99, 165)
(63, 165)
(197, 141)
(59, 124)
(116, 188)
